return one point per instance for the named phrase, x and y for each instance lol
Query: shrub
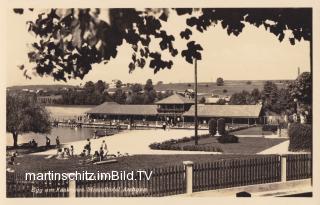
(249, 82)
(201, 148)
(272, 128)
(300, 137)
(221, 126)
(225, 91)
(212, 126)
(228, 139)
(219, 81)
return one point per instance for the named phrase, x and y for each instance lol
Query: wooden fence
(299, 166)
(163, 182)
(17, 186)
(236, 172)
(174, 180)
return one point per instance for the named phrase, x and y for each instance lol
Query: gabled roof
(120, 109)
(176, 99)
(237, 111)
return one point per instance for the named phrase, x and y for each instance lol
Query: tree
(269, 95)
(24, 115)
(89, 87)
(135, 96)
(148, 86)
(219, 81)
(100, 86)
(256, 95)
(301, 88)
(149, 92)
(119, 96)
(72, 40)
(242, 98)
(118, 84)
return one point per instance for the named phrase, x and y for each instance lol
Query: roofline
(120, 114)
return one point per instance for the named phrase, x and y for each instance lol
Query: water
(65, 134)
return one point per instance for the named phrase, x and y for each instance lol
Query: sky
(255, 54)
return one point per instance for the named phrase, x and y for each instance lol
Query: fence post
(72, 188)
(189, 172)
(283, 168)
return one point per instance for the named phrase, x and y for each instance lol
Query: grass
(252, 131)
(232, 86)
(37, 163)
(246, 145)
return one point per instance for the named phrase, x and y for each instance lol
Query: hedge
(172, 144)
(300, 137)
(272, 128)
(221, 126)
(227, 138)
(212, 126)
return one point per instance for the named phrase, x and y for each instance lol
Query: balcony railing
(171, 110)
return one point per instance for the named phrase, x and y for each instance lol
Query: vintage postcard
(177, 102)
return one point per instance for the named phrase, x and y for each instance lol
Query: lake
(65, 134)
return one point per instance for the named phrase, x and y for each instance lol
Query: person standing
(89, 146)
(58, 142)
(104, 146)
(47, 142)
(71, 150)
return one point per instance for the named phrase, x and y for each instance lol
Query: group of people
(98, 155)
(33, 144)
(65, 153)
(48, 142)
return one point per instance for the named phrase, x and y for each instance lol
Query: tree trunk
(15, 139)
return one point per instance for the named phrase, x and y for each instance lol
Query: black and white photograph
(176, 102)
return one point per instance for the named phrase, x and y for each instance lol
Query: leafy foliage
(301, 88)
(212, 126)
(24, 115)
(219, 81)
(227, 138)
(72, 40)
(300, 136)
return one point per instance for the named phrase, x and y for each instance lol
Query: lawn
(246, 145)
(38, 163)
(253, 131)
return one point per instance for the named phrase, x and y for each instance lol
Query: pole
(195, 103)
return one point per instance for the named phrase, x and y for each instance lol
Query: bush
(225, 91)
(201, 148)
(172, 144)
(272, 128)
(221, 126)
(212, 126)
(219, 81)
(228, 139)
(300, 137)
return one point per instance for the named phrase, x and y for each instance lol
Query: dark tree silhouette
(24, 115)
(72, 40)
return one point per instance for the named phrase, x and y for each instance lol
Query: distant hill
(37, 87)
(230, 86)
(207, 88)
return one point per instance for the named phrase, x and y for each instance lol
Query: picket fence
(171, 180)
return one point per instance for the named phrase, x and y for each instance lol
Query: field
(231, 86)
